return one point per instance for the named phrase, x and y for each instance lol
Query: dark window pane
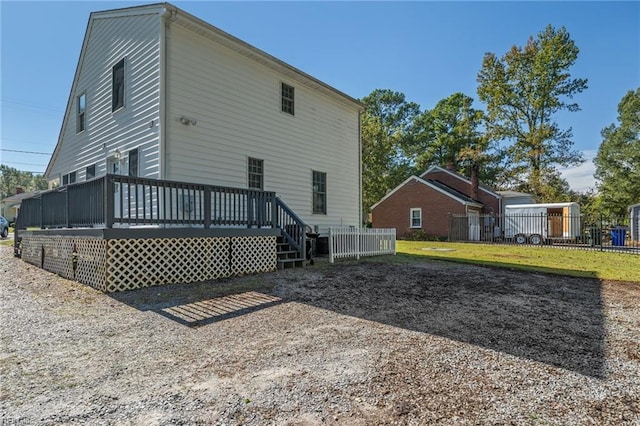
(133, 162)
(82, 105)
(319, 192)
(72, 177)
(118, 85)
(288, 96)
(91, 171)
(255, 173)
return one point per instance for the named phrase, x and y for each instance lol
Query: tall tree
(448, 133)
(523, 90)
(618, 159)
(386, 132)
(11, 178)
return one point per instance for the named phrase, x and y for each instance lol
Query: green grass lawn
(578, 263)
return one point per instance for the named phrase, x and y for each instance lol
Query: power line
(25, 164)
(32, 104)
(22, 141)
(25, 152)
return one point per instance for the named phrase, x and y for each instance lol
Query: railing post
(67, 211)
(109, 204)
(207, 207)
(41, 213)
(330, 246)
(274, 211)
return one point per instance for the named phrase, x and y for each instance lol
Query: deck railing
(115, 200)
(293, 228)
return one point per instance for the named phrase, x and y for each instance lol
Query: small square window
(255, 171)
(91, 171)
(416, 218)
(288, 99)
(117, 99)
(82, 108)
(319, 192)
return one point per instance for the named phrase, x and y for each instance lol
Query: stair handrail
(293, 228)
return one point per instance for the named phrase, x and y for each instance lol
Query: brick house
(427, 202)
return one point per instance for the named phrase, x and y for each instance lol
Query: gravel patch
(354, 343)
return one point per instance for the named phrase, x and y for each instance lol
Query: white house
(159, 93)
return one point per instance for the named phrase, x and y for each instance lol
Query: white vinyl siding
(236, 103)
(109, 39)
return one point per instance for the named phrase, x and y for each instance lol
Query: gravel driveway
(353, 343)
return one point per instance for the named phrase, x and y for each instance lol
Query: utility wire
(25, 152)
(25, 164)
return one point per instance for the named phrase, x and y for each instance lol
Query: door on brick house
(474, 225)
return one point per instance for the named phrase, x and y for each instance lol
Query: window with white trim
(256, 173)
(319, 192)
(288, 99)
(82, 116)
(416, 218)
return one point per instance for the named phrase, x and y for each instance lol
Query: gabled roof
(482, 186)
(17, 198)
(207, 30)
(437, 186)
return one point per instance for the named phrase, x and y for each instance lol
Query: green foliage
(618, 159)
(420, 235)
(11, 178)
(386, 132)
(523, 90)
(449, 135)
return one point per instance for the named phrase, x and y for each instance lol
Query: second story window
(82, 109)
(117, 100)
(72, 177)
(255, 173)
(288, 99)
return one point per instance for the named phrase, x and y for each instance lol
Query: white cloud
(581, 178)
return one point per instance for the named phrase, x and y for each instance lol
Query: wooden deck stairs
(288, 257)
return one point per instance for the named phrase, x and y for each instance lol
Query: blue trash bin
(618, 236)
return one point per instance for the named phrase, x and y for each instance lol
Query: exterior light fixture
(187, 121)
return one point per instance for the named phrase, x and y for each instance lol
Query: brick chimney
(19, 190)
(451, 167)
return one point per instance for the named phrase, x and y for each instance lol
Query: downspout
(162, 142)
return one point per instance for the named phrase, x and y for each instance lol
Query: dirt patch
(353, 343)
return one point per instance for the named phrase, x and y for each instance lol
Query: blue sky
(427, 50)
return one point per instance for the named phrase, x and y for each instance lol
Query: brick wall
(394, 212)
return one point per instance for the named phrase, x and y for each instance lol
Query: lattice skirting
(127, 264)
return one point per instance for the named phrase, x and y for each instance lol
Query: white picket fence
(356, 242)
